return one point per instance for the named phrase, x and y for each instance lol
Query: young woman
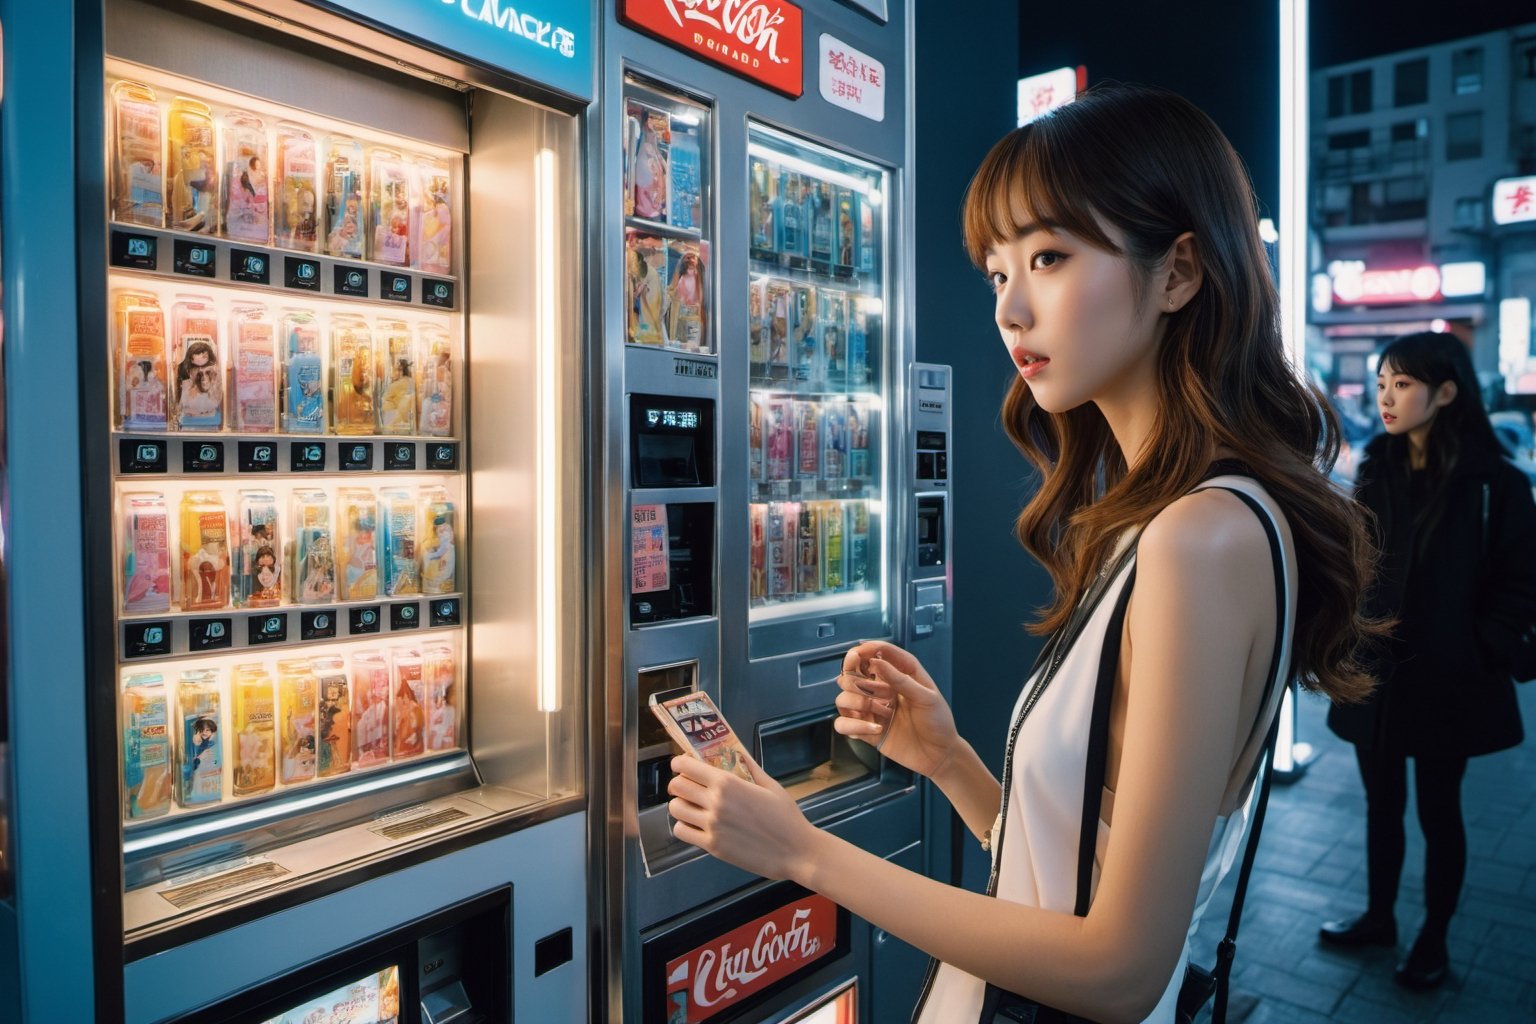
(1457, 530)
(1134, 300)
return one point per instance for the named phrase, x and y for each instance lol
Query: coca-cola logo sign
(760, 39)
(733, 967)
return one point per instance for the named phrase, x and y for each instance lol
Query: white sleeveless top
(1045, 805)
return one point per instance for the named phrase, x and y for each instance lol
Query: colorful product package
(146, 553)
(408, 712)
(197, 396)
(440, 670)
(808, 551)
(757, 324)
(831, 524)
(138, 181)
(296, 220)
(397, 518)
(698, 728)
(297, 692)
(645, 276)
(649, 167)
(807, 440)
(255, 725)
(832, 339)
(778, 438)
(834, 440)
(790, 206)
(820, 217)
(353, 403)
(252, 369)
(439, 556)
(370, 709)
(434, 381)
(334, 741)
(856, 542)
(432, 244)
(866, 242)
(846, 242)
(344, 210)
(631, 140)
(357, 517)
(200, 749)
(858, 342)
(391, 207)
(146, 747)
(204, 552)
(781, 533)
(191, 168)
(757, 404)
(258, 580)
(762, 184)
(312, 559)
(778, 314)
(397, 377)
(757, 586)
(859, 413)
(803, 347)
(303, 381)
(685, 190)
(687, 306)
(142, 380)
(246, 212)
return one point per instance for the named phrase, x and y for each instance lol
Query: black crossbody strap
(1226, 950)
(1098, 747)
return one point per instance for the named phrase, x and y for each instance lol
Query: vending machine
(320, 350)
(777, 482)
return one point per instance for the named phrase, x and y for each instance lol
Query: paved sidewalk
(1311, 866)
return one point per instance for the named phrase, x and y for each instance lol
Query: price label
(307, 457)
(258, 457)
(147, 639)
(136, 456)
(320, 625)
(356, 455)
(405, 616)
(250, 267)
(202, 457)
(365, 620)
(351, 281)
(136, 251)
(395, 287)
(267, 629)
(437, 293)
(400, 455)
(442, 455)
(210, 634)
(301, 273)
(197, 259)
(445, 611)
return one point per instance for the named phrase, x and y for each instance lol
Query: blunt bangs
(1029, 178)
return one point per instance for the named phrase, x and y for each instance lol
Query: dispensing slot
(930, 530)
(653, 750)
(807, 756)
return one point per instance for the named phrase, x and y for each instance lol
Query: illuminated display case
(816, 348)
(346, 570)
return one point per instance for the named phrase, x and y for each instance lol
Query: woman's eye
(996, 279)
(1045, 260)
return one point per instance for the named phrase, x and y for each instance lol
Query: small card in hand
(698, 727)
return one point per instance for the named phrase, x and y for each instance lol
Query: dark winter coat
(1467, 595)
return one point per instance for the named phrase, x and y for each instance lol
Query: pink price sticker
(648, 563)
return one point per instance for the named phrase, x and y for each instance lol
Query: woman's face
(1069, 318)
(1407, 403)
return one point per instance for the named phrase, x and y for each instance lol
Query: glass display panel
(816, 349)
(667, 219)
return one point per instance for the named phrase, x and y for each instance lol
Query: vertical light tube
(547, 476)
(1294, 112)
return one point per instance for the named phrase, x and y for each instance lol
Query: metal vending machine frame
(92, 943)
(679, 484)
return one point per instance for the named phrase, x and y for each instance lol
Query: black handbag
(1200, 985)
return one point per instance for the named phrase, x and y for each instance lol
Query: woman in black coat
(1456, 526)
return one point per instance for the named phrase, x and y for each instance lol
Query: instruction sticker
(648, 562)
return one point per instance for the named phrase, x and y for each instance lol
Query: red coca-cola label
(759, 39)
(709, 979)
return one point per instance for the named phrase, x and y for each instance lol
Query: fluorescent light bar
(549, 433)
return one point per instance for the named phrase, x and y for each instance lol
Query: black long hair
(1434, 357)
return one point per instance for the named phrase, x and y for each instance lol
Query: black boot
(1366, 930)
(1426, 964)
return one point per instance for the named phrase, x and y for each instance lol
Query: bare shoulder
(1206, 531)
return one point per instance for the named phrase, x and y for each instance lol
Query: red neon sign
(758, 39)
(709, 979)
(1354, 284)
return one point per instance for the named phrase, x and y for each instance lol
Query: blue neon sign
(545, 40)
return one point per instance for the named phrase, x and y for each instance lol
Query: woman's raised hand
(889, 701)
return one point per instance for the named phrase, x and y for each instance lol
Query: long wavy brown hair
(1154, 166)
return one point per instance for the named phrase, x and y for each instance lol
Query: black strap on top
(1098, 746)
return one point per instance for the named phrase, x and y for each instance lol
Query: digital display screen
(374, 999)
(677, 419)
